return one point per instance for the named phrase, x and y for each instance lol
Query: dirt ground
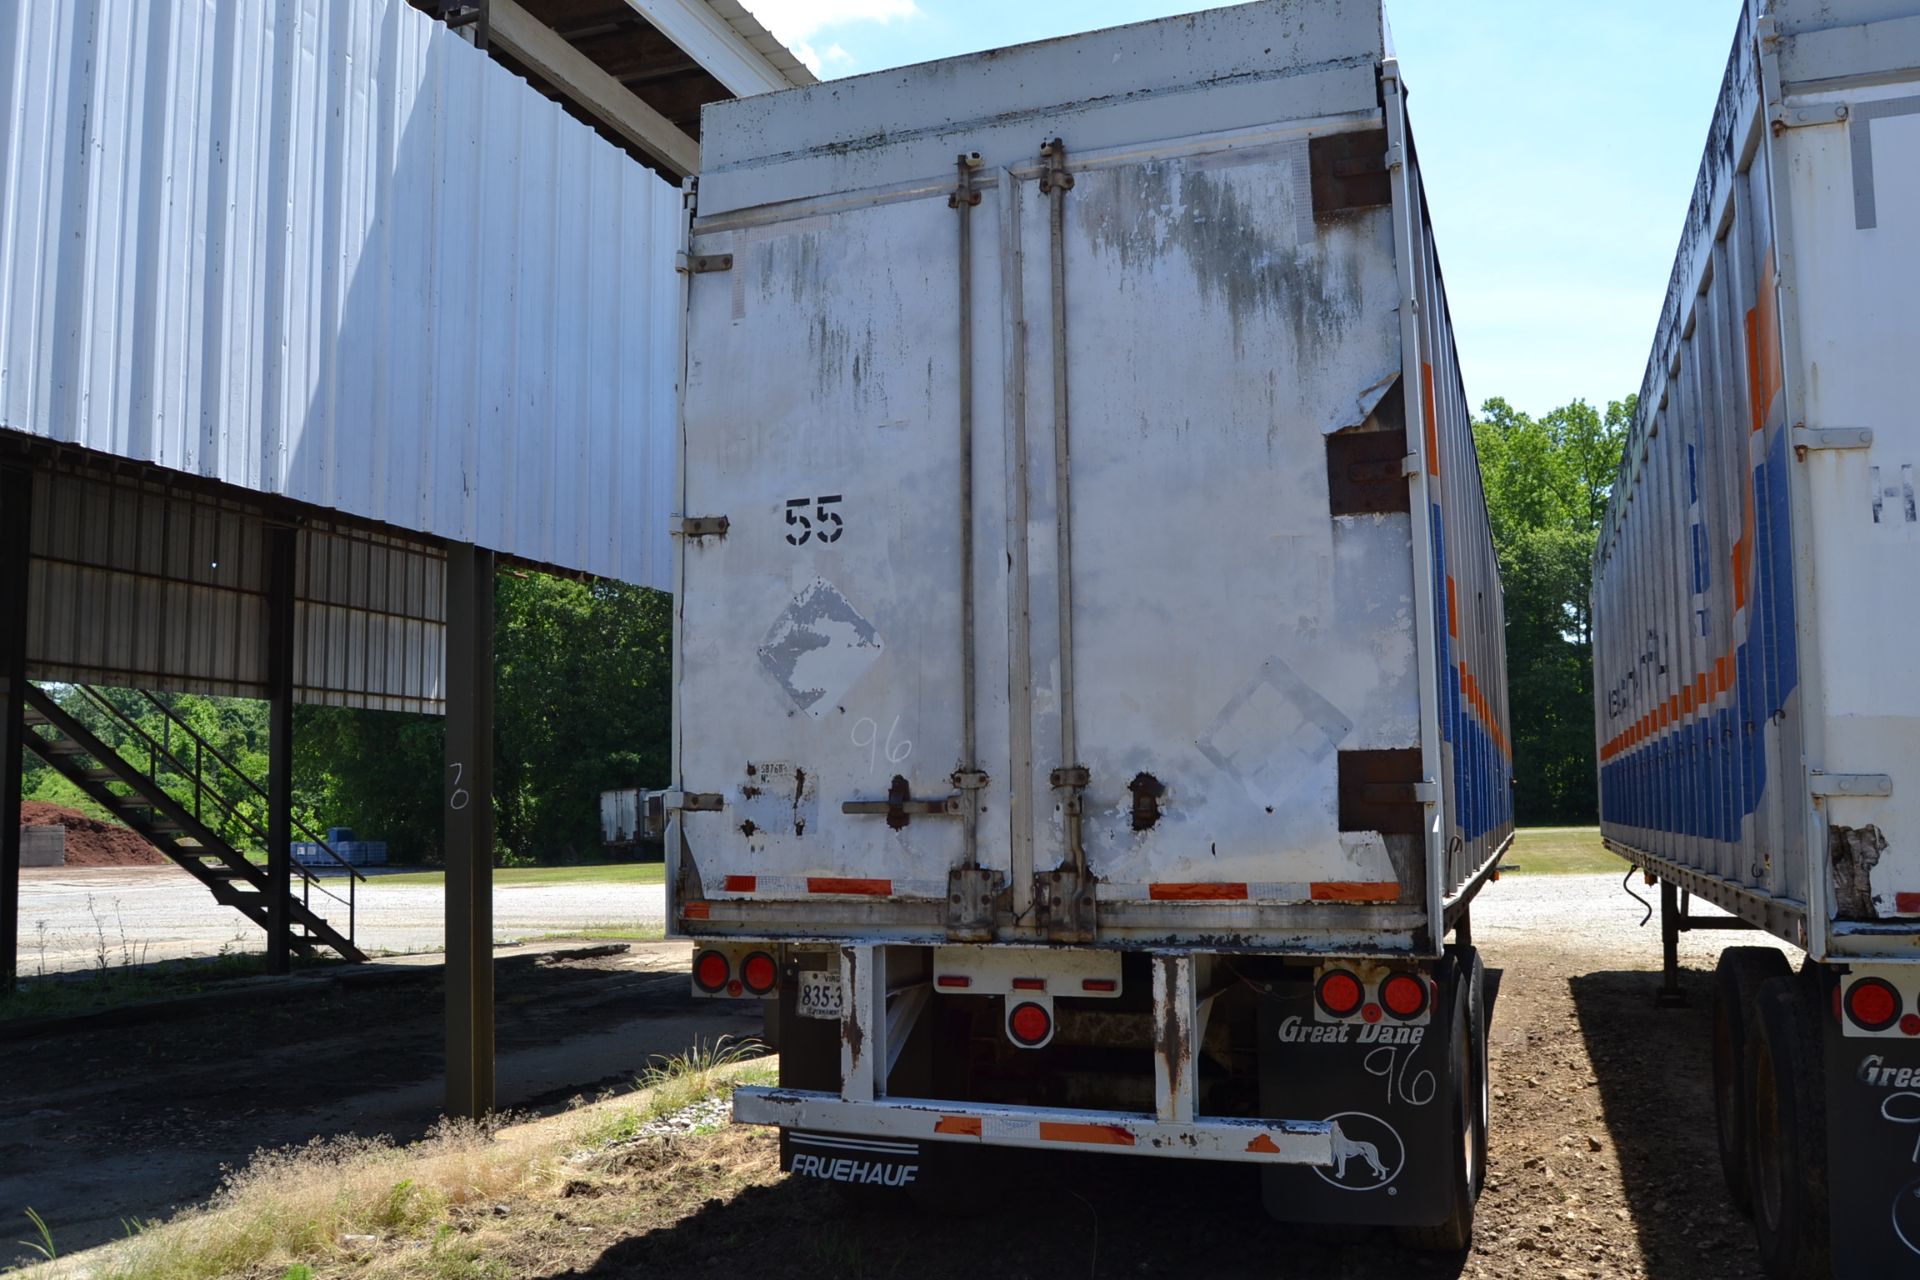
(116, 1123)
(92, 843)
(1602, 1161)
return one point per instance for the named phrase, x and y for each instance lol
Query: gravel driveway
(70, 918)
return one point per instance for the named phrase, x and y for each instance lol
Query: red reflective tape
(739, 884)
(844, 884)
(1264, 1145)
(1433, 430)
(695, 911)
(1099, 1135)
(1907, 904)
(1197, 892)
(1356, 891)
(963, 1126)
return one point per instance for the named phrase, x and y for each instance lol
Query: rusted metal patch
(1147, 791)
(1377, 791)
(1854, 853)
(1366, 473)
(1349, 172)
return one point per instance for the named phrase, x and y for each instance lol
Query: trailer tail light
(1404, 996)
(1030, 1025)
(1099, 984)
(1029, 984)
(1339, 994)
(953, 980)
(711, 971)
(759, 974)
(1873, 1004)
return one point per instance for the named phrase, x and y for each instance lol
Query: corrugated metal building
(308, 311)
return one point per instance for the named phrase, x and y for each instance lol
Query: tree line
(583, 671)
(581, 705)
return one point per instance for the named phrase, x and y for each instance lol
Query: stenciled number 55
(824, 525)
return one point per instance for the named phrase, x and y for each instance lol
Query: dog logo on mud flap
(1367, 1153)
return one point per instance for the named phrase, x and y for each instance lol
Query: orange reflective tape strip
(1453, 612)
(1264, 1145)
(1433, 428)
(695, 911)
(963, 1126)
(1099, 1135)
(1355, 891)
(1221, 892)
(843, 884)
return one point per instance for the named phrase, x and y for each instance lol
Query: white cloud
(795, 22)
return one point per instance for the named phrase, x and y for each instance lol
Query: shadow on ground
(1655, 1072)
(114, 1123)
(1051, 1216)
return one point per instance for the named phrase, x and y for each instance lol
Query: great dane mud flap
(1384, 1087)
(883, 1164)
(1873, 1153)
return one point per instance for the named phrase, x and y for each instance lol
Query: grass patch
(1560, 851)
(671, 1084)
(588, 873)
(470, 1202)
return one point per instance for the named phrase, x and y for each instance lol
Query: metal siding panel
(307, 235)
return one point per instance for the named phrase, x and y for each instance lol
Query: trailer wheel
(1474, 974)
(1787, 1130)
(1456, 1233)
(1739, 976)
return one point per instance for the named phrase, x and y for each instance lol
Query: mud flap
(1873, 1150)
(878, 1163)
(1387, 1088)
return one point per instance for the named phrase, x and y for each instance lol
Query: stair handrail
(64, 722)
(308, 880)
(299, 824)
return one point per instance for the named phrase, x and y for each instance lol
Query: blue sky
(1560, 142)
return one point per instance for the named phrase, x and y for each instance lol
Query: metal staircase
(176, 828)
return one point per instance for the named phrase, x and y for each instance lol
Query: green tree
(1547, 481)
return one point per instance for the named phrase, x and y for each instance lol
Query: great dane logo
(1367, 1152)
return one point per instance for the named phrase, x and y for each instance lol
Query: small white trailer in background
(1757, 696)
(1090, 696)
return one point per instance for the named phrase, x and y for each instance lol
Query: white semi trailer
(1091, 720)
(1757, 698)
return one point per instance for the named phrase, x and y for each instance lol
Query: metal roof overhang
(637, 71)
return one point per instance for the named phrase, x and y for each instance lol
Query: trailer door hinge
(1396, 156)
(1832, 438)
(699, 526)
(1850, 784)
(1804, 117)
(694, 802)
(699, 264)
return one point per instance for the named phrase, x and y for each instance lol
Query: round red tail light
(1404, 995)
(1873, 1004)
(759, 973)
(1339, 994)
(711, 971)
(1030, 1025)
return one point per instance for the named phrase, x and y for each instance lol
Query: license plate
(820, 994)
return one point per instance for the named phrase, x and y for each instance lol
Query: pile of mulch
(91, 843)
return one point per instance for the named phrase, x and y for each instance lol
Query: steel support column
(469, 830)
(281, 542)
(16, 510)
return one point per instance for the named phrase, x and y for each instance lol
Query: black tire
(1787, 1130)
(1475, 975)
(1739, 976)
(1456, 1233)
